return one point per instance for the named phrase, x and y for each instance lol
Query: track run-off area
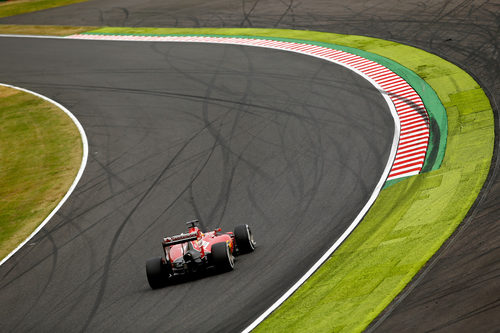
(415, 125)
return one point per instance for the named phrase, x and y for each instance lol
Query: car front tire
(244, 238)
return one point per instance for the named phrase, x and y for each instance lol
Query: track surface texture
(290, 144)
(460, 291)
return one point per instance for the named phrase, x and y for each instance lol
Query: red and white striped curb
(413, 117)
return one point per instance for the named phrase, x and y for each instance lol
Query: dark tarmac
(458, 291)
(289, 144)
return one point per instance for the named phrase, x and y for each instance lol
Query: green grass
(410, 220)
(45, 30)
(16, 7)
(40, 155)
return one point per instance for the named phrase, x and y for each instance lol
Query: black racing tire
(244, 238)
(157, 272)
(222, 258)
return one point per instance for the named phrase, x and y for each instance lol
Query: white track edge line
(343, 237)
(78, 175)
(33, 36)
(362, 213)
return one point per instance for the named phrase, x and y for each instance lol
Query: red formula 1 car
(196, 251)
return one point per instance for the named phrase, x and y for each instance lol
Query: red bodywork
(177, 246)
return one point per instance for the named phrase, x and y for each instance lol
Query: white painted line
(33, 36)
(78, 175)
(339, 241)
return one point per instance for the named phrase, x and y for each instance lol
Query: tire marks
(413, 117)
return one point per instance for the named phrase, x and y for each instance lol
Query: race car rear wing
(179, 239)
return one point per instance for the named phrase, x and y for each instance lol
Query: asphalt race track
(290, 144)
(460, 291)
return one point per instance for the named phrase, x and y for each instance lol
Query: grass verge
(40, 155)
(43, 30)
(410, 220)
(16, 7)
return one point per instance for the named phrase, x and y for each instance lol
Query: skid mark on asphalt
(412, 115)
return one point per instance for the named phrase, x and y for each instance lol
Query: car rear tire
(244, 238)
(222, 257)
(157, 272)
